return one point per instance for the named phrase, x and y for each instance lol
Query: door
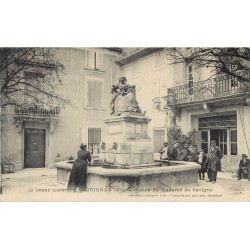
(34, 148)
(158, 139)
(221, 138)
(204, 140)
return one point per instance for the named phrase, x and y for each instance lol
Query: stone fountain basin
(177, 173)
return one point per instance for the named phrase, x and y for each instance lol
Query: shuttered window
(94, 60)
(94, 139)
(90, 60)
(94, 94)
(158, 139)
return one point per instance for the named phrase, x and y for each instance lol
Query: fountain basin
(178, 173)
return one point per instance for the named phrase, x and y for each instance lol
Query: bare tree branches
(222, 61)
(30, 76)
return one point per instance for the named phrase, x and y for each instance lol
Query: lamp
(157, 103)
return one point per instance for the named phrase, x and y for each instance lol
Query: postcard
(158, 124)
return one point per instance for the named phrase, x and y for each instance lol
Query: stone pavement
(40, 184)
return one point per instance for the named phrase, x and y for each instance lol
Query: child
(164, 152)
(202, 160)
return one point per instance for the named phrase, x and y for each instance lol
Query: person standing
(186, 154)
(195, 153)
(173, 153)
(164, 152)
(214, 163)
(202, 160)
(78, 174)
(244, 166)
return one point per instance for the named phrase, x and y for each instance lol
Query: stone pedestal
(126, 140)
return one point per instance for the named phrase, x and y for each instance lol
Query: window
(204, 141)
(190, 79)
(94, 139)
(158, 139)
(233, 142)
(94, 94)
(94, 60)
(223, 141)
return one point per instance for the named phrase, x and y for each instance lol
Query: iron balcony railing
(36, 112)
(204, 90)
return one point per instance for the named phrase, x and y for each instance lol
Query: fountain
(126, 152)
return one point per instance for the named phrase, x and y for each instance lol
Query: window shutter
(94, 94)
(94, 135)
(99, 60)
(180, 73)
(90, 59)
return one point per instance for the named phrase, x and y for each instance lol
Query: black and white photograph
(125, 123)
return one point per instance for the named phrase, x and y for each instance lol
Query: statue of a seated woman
(124, 99)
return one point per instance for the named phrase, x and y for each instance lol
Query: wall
(152, 75)
(73, 120)
(67, 135)
(11, 139)
(189, 121)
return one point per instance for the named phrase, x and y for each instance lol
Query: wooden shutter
(158, 139)
(180, 73)
(99, 61)
(90, 59)
(94, 135)
(94, 94)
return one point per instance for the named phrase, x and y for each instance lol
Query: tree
(232, 62)
(30, 75)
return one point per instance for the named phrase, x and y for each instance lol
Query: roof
(113, 49)
(136, 55)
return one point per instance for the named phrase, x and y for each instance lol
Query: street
(40, 184)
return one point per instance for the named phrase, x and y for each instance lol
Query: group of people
(209, 163)
(173, 152)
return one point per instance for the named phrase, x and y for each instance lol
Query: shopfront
(222, 129)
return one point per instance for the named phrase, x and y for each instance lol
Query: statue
(123, 99)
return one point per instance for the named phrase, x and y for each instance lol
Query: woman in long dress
(78, 174)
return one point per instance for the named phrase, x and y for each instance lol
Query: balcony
(37, 113)
(212, 90)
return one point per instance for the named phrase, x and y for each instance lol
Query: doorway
(220, 136)
(226, 139)
(222, 129)
(158, 139)
(34, 148)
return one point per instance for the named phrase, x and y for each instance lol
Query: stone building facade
(219, 111)
(149, 70)
(216, 109)
(40, 138)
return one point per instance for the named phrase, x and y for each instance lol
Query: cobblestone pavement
(41, 185)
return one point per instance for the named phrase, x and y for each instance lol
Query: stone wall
(68, 133)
